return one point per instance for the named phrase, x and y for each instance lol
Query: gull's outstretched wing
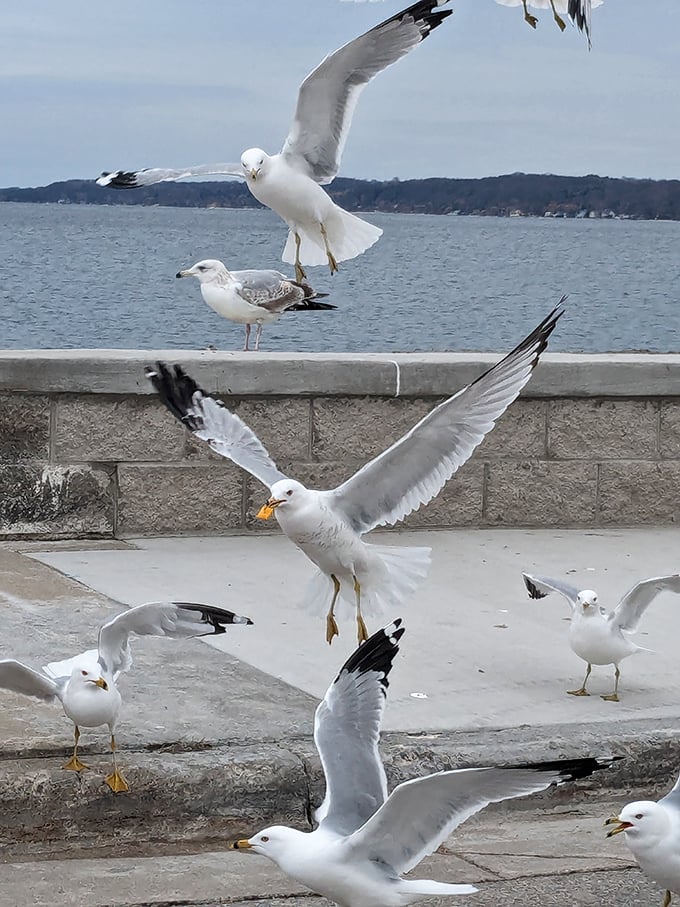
(133, 179)
(329, 94)
(20, 678)
(347, 730)
(176, 620)
(211, 421)
(419, 815)
(672, 799)
(415, 469)
(634, 603)
(540, 586)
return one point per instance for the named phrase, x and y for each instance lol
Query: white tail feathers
(348, 236)
(428, 887)
(391, 579)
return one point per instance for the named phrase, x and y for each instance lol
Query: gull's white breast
(597, 640)
(295, 197)
(226, 302)
(660, 859)
(89, 706)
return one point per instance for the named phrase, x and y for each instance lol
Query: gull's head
(275, 842)
(643, 821)
(84, 678)
(208, 271)
(285, 494)
(587, 600)
(254, 162)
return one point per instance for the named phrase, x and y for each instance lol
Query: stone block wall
(86, 449)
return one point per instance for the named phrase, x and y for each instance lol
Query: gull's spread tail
(348, 236)
(428, 888)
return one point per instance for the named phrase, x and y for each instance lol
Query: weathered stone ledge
(87, 450)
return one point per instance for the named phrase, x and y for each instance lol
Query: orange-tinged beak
(267, 509)
(101, 683)
(242, 844)
(621, 826)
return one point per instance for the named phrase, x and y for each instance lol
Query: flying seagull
(579, 11)
(252, 297)
(327, 525)
(598, 636)
(366, 840)
(86, 684)
(290, 182)
(652, 832)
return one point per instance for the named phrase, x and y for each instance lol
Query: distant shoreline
(512, 195)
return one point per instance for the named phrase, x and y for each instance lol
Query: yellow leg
(115, 780)
(666, 899)
(362, 632)
(331, 623)
(332, 263)
(532, 20)
(299, 270)
(74, 764)
(560, 21)
(614, 697)
(582, 691)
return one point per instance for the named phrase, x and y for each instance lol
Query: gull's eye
(638, 816)
(84, 673)
(243, 164)
(289, 492)
(264, 839)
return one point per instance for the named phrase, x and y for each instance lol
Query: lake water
(97, 276)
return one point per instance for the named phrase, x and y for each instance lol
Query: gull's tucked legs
(362, 632)
(583, 691)
(74, 764)
(614, 697)
(115, 780)
(300, 274)
(331, 623)
(332, 263)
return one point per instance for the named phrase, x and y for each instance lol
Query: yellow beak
(242, 844)
(622, 826)
(101, 683)
(267, 509)
(253, 173)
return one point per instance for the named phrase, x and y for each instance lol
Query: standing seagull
(290, 182)
(652, 832)
(327, 525)
(252, 297)
(86, 684)
(365, 841)
(579, 11)
(598, 636)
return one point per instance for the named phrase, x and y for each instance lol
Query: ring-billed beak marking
(101, 683)
(254, 173)
(621, 826)
(241, 844)
(267, 509)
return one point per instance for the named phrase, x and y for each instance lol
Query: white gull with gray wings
(366, 840)
(327, 525)
(86, 684)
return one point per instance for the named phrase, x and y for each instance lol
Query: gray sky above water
(86, 87)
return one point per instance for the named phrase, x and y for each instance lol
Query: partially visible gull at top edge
(327, 525)
(290, 182)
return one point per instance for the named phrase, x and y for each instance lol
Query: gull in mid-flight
(327, 525)
(598, 636)
(652, 832)
(86, 684)
(579, 11)
(252, 297)
(366, 840)
(290, 182)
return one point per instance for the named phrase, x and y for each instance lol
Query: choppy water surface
(96, 276)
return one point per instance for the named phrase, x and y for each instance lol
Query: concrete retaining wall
(86, 449)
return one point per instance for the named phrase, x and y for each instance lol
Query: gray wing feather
(20, 678)
(270, 290)
(415, 469)
(672, 798)
(420, 815)
(634, 603)
(134, 179)
(540, 586)
(329, 94)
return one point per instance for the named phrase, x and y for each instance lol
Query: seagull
(327, 525)
(652, 832)
(598, 636)
(366, 840)
(579, 11)
(252, 297)
(86, 684)
(290, 182)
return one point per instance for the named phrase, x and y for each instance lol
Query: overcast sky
(86, 87)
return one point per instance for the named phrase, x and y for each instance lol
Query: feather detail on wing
(19, 678)
(347, 730)
(540, 586)
(635, 602)
(211, 421)
(414, 470)
(135, 179)
(328, 96)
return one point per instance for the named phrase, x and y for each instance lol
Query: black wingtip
(118, 179)
(426, 14)
(176, 390)
(572, 769)
(532, 588)
(377, 653)
(217, 618)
